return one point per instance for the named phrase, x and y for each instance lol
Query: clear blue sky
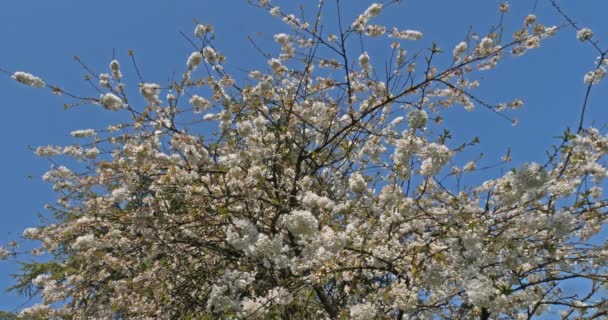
(42, 36)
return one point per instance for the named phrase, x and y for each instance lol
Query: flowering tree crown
(324, 191)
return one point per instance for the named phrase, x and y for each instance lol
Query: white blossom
(595, 76)
(194, 60)
(460, 49)
(115, 67)
(301, 223)
(83, 133)
(406, 34)
(28, 79)
(584, 34)
(200, 104)
(357, 183)
(150, 92)
(363, 311)
(111, 101)
(417, 119)
(374, 9)
(364, 61)
(210, 55)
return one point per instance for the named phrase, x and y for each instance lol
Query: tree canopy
(320, 187)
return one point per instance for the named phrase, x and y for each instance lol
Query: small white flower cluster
(417, 119)
(400, 61)
(360, 23)
(246, 235)
(37, 311)
(406, 34)
(437, 155)
(150, 92)
(244, 128)
(460, 49)
(111, 101)
(200, 104)
(301, 223)
(276, 66)
(201, 29)
(210, 55)
(287, 48)
(525, 184)
(357, 183)
(294, 22)
(28, 79)
(84, 242)
(83, 133)
(584, 34)
(529, 20)
(48, 151)
(405, 149)
(225, 293)
(194, 60)
(104, 80)
(486, 45)
(503, 7)
(115, 67)
(480, 292)
(275, 11)
(31, 233)
(595, 76)
(364, 62)
(255, 308)
(73, 151)
(530, 177)
(313, 201)
(375, 30)
(363, 311)
(4, 253)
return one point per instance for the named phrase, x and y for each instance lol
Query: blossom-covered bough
(322, 190)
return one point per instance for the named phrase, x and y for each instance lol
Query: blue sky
(42, 36)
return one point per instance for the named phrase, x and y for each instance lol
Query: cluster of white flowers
(584, 34)
(363, 311)
(150, 92)
(436, 156)
(313, 201)
(200, 104)
(360, 23)
(276, 65)
(84, 242)
(364, 62)
(529, 20)
(480, 291)
(504, 7)
(595, 76)
(48, 151)
(406, 34)
(210, 55)
(417, 119)
(486, 45)
(202, 29)
(224, 296)
(194, 60)
(115, 67)
(301, 223)
(357, 183)
(83, 133)
(104, 80)
(28, 79)
(111, 101)
(375, 30)
(460, 49)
